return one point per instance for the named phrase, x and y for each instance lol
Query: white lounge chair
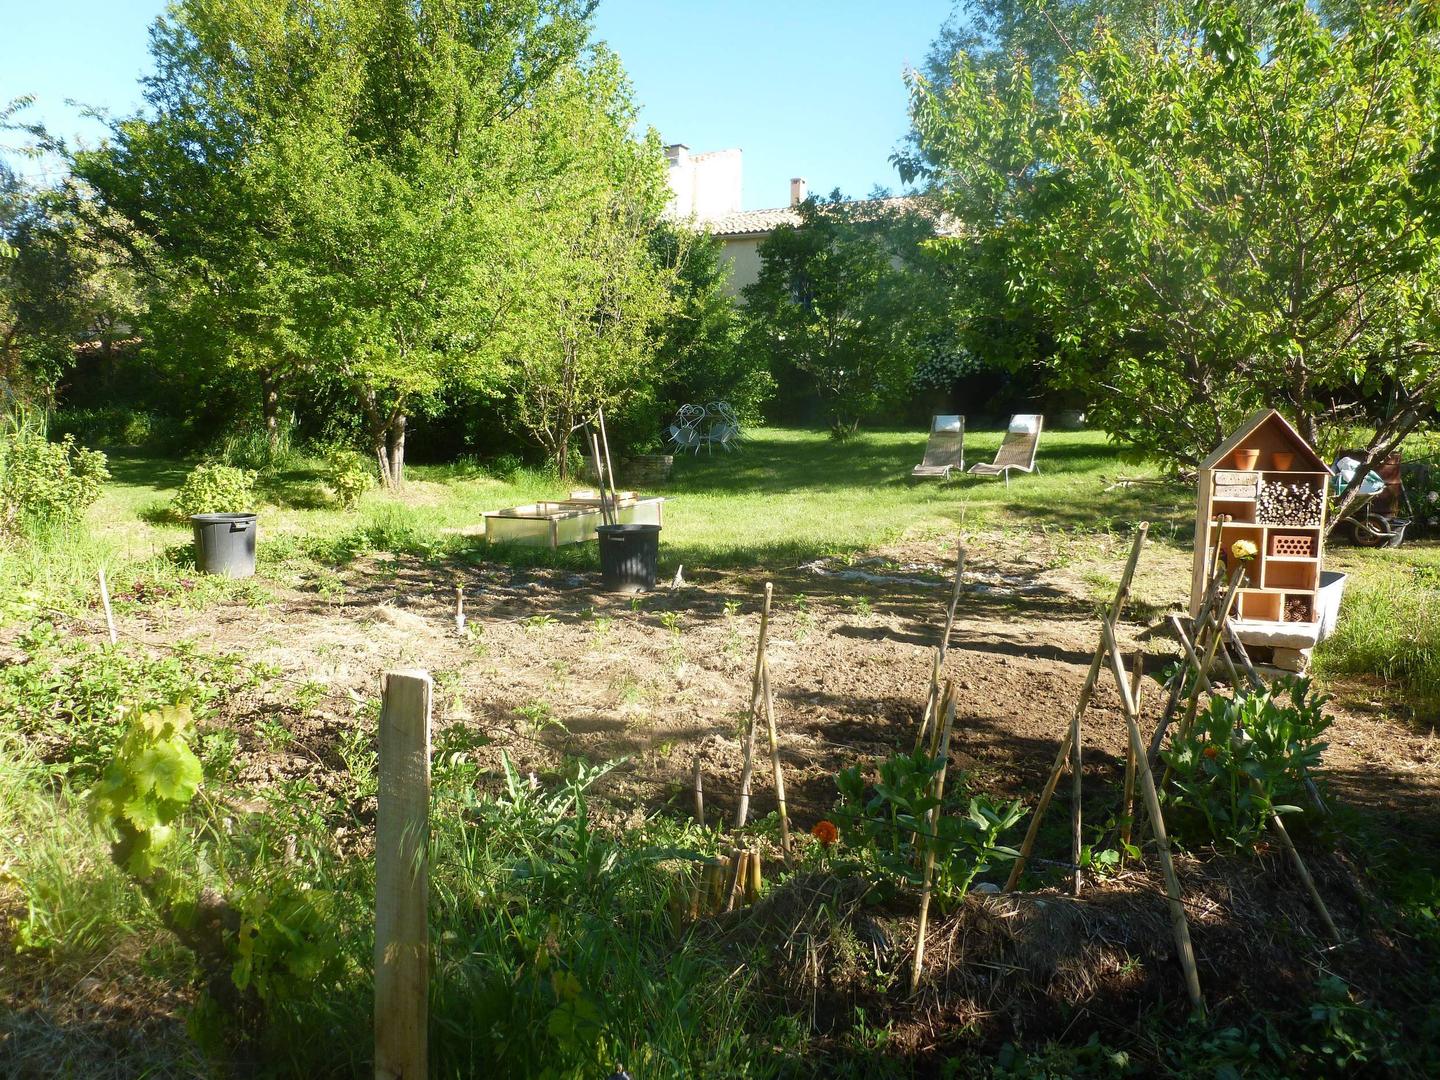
(1017, 450)
(944, 449)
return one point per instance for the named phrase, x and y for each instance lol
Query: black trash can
(628, 554)
(224, 544)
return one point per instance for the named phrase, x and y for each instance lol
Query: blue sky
(808, 88)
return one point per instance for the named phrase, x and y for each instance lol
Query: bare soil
(551, 668)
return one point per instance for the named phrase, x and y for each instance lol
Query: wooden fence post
(402, 879)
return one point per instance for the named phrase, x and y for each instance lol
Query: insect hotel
(1266, 485)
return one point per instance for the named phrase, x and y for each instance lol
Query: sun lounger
(1017, 451)
(944, 450)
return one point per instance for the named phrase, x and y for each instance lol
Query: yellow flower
(1243, 550)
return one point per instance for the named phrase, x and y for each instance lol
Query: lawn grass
(790, 494)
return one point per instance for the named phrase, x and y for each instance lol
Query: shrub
(349, 474)
(212, 488)
(43, 483)
(1242, 758)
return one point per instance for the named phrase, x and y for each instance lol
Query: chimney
(797, 191)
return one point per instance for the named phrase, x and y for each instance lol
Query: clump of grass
(1389, 627)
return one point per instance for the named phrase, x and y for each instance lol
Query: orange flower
(825, 832)
(1212, 752)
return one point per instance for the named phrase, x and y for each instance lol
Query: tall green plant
(1244, 757)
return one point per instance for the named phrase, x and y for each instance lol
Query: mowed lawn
(788, 494)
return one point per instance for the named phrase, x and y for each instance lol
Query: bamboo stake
(1283, 835)
(932, 699)
(698, 783)
(932, 821)
(609, 469)
(1179, 925)
(459, 609)
(742, 811)
(738, 873)
(775, 761)
(1076, 809)
(105, 602)
(1096, 662)
(605, 515)
(752, 888)
(1127, 798)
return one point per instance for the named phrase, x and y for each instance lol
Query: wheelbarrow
(1366, 526)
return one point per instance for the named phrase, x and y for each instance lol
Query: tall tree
(321, 180)
(1218, 222)
(587, 294)
(843, 297)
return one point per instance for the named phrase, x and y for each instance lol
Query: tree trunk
(562, 455)
(270, 409)
(395, 439)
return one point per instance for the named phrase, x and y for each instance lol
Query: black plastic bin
(628, 554)
(224, 544)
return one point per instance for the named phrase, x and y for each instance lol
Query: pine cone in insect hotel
(1289, 504)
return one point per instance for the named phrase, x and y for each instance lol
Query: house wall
(703, 186)
(743, 255)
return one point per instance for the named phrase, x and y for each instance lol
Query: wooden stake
(932, 822)
(1121, 595)
(609, 469)
(1076, 808)
(402, 940)
(105, 602)
(775, 761)
(459, 609)
(699, 793)
(606, 515)
(1282, 834)
(739, 871)
(742, 811)
(1127, 798)
(1179, 925)
(932, 700)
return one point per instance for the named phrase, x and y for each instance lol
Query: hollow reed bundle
(1289, 504)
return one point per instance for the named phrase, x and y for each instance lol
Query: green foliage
(1242, 758)
(43, 484)
(68, 698)
(1238, 212)
(846, 299)
(699, 341)
(349, 476)
(212, 488)
(885, 825)
(148, 785)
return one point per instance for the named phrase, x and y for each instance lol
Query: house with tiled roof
(705, 189)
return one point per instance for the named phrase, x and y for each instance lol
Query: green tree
(845, 298)
(1215, 223)
(58, 288)
(325, 183)
(583, 291)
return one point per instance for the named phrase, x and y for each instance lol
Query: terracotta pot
(1246, 459)
(1281, 462)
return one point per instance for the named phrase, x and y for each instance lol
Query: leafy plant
(349, 476)
(886, 825)
(1242, 758)
(44, 484)
(149, 784)
(213, 488)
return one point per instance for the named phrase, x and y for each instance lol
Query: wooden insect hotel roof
(1279, 430)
